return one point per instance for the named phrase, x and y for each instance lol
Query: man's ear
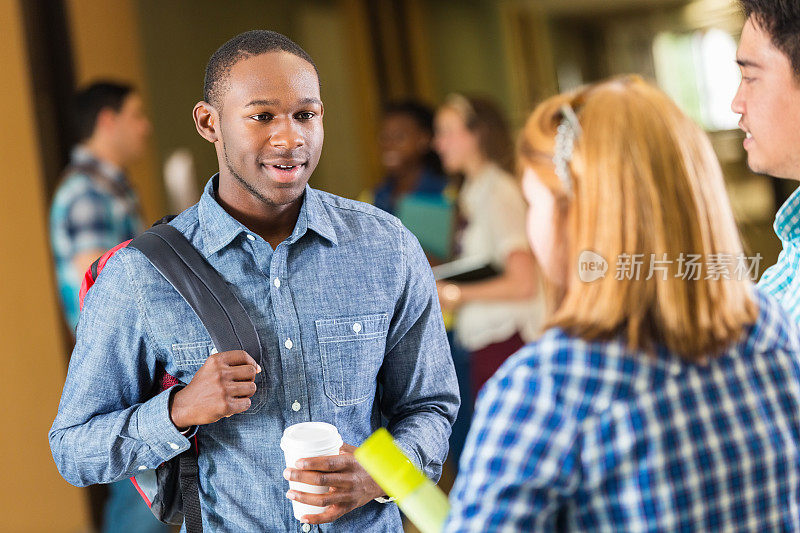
(105, 118)
(206, 120)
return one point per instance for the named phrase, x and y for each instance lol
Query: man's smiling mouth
(285, 172)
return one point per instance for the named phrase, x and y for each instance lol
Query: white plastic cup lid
(310, 437)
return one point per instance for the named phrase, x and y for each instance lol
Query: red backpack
(171, 491)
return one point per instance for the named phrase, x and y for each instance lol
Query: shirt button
(306, 528)
(288, 344)
(173, 445)
(357, 327)
(296, 406)
(251, 237)
(142, 467)
(277, 283)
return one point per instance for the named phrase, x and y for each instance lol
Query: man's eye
(305, 115)
(261, 117)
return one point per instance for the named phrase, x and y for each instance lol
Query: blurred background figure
(180, 180)
(655, 400)
(412, 167)
(496, 315)
(94, 209)
(413, 187)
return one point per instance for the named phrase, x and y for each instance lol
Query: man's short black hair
(781, 20)
(421, 114)
(90, 100)
(247, 44)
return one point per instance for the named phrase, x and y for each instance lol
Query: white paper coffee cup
(309, 439)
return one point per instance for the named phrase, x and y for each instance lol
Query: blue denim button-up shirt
(350, 327)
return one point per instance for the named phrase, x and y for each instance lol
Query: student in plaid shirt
(93, 210)
(94, 207)
(769, 102)
(650, 403)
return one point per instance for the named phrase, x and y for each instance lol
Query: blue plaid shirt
(351, 331)
(593, 437)
(94, 208)
(782, 280)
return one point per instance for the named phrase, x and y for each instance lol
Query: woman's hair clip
(568, 132)
(462, 105)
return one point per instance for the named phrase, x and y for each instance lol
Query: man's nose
(286, 135)
(737, 105)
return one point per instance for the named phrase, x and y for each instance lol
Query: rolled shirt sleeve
(506, 219)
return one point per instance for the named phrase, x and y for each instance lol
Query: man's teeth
(748, 135)
(284, 167)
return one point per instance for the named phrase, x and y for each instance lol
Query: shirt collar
(314, 215)
(219, 228)
(787, 220)
(82, 156)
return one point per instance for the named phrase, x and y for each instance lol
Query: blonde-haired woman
(660, 400)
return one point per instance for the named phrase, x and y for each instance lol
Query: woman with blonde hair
(664, 393)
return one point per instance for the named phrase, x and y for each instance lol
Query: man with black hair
(95, 208)
(769, 102)
(342, 299)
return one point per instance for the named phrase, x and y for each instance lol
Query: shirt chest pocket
(190, 356)
(352, 352)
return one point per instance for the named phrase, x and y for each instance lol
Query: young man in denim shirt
(341, 296)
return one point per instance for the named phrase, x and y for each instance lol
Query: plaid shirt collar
(81, 155)
(787, 220)
(613, 440)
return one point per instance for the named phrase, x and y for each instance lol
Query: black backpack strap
(202, 287)
(188, 476)
(218, 309)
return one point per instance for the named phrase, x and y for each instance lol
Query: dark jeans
(464, 418)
